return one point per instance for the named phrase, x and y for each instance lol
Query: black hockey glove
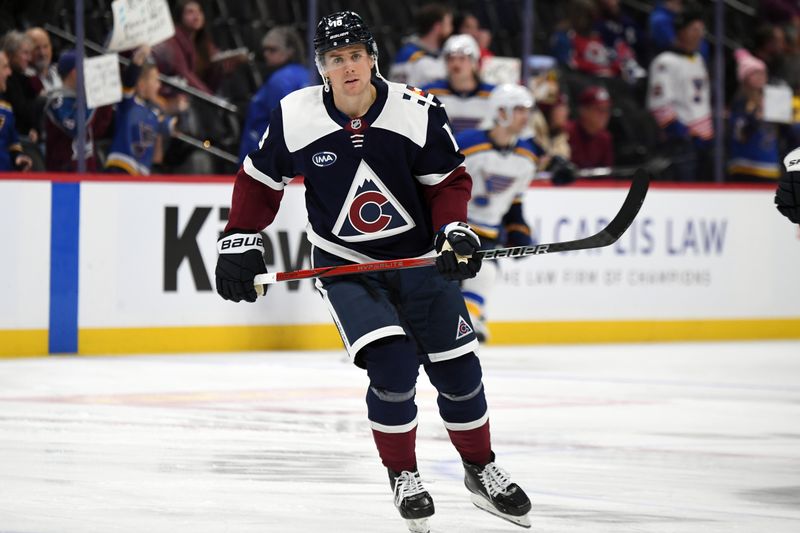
(562, 171)
(787, 196)
(241, 258)
(456, 245)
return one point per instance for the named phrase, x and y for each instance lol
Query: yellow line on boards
(124, 341)
(643, 331)
(23, 342)
(102, 341)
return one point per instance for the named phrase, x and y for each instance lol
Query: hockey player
(787, 197)
(502, 165)
(464, 95)
(384, 180)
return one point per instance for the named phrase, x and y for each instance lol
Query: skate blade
(481, 503)
(418, 525)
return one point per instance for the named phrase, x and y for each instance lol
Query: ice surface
(667, 438)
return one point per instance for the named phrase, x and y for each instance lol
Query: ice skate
(412, 500)
(493, 491)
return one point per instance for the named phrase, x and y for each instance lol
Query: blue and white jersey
(500, 177)
(138, 125)
(10, 146)
(377, 186)
(466, 111)
(417, 65)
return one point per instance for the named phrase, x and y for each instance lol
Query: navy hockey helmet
(340, 29)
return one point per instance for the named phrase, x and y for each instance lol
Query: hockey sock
(397, 450)
(474, 445)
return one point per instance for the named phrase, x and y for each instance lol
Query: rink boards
(111, 265)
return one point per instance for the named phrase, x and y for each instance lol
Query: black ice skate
(412, 500)
(493, 492)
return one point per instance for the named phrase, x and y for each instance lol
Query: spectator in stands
(22, 89)
(468, 23)
(590, 141)
(42, 59)
(140, 125)
(662, 27)
(780, 11)
(679, 97)
(580, 47)
(190, 53)
(769, 45)
(464, 95)
(754, 150)
(61, 153)
(622, 36)
(418, 61)
(549, 118)
(11, 155)
(284, 54)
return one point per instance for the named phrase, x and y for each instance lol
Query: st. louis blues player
(384, 180)
(502, 162)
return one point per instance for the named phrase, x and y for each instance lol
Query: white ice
(670, 438)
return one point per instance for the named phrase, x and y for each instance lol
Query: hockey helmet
(340, 29)
(462, 44)
(507, 96)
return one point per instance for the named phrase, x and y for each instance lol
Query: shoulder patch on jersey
(464, 328)
(410, 121)
(419, 96)
(370, 211)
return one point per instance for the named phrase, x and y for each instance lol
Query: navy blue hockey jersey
(377, 186)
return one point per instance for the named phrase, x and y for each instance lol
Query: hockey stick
(606, 236)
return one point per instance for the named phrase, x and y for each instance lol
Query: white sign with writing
(138, 22)
(101, 80)
(497, 70)
(778, 104)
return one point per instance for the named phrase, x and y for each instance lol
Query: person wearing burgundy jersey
(384, 180)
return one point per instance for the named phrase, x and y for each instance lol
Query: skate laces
(495, 480)
(407, 484)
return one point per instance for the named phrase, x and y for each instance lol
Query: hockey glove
(787, 196)
(456, 245)
(241, 258)
(562, 171)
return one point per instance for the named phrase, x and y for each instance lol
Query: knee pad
(392, 367)
(458, 381)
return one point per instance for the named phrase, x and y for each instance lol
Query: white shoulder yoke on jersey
(305, 118)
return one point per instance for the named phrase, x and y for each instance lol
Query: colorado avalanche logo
(370, 211)
(464, 328)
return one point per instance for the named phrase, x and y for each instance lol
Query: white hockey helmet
(462, 44)
(508, 96)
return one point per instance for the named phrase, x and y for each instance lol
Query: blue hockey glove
(518, 235)
(241, 258)
(456, 245)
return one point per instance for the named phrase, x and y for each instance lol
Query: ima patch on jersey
(370, 211)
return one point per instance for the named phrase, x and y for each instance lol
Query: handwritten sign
(778, 104)
(138, 22)
(102, 82)
(497, 70)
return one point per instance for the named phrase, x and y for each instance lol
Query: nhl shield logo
(355, 123)
(464, 328)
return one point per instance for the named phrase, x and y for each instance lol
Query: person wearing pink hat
(753, 150)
